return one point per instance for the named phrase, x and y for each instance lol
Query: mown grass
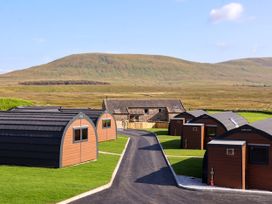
(8, 103)
(46, 185)
(251, 116)
(114, 146)
(171, 144)
(183, 161)
(187, 166)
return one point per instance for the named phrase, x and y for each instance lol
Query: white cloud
(228, 12)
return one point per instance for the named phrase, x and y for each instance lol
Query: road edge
(100, 188)
(201, 189)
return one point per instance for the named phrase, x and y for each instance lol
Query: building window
(258, 154)
(194, 129)
(146, 111)
(230, 151)
(106, 123)
(76, 135)
(160, 110)
(80, 134)
(84, 133)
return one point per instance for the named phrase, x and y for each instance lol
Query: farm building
(246, 153)
(46, 139)
(145, 111)
(104, 121)
(200, 130)
(176, 123)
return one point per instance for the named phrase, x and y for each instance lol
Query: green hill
(130, 69)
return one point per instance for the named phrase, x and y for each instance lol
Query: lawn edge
(100, 188)
(212, 189)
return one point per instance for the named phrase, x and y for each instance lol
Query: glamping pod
(256, 157)
(46, 139)
(200, 130)
(105, 122)
(176, 123)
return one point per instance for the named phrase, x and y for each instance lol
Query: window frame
(230, 151)
(260, 146)
(74, 135)
(81, 130)
(80, 134)
(108, 123)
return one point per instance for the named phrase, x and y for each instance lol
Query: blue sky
(36, 32)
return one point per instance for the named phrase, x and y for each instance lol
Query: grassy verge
(45, 185)
(114, 146)
(187, 166)
(183, 161)
(8, 103)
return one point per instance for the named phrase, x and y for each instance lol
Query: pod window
(80, 134)
(106, 123)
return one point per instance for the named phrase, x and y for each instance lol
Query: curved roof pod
(229, 120)
(37, 139)
(106, 130)
(262, 127)
(96, 115)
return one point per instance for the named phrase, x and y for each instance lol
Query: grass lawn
(8, 103)
(251, 116)
(187, 166)
(46, 185)
(171, 144)
(114, 146)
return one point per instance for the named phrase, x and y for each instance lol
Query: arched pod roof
(229, 119)
(93, 114)
(33, 139)
(262, 127)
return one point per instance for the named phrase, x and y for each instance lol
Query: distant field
(208, 96)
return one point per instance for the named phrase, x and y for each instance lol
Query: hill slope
(146, 70)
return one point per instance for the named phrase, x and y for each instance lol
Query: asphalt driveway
(144, 177)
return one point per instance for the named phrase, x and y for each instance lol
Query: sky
(36, 32)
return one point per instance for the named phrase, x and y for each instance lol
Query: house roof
(34, 124)
(121, 106)
(264, 125)
(195, 113)
(92, 114)
(229, 119)
(227, 142)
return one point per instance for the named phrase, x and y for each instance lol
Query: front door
(210, 134)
